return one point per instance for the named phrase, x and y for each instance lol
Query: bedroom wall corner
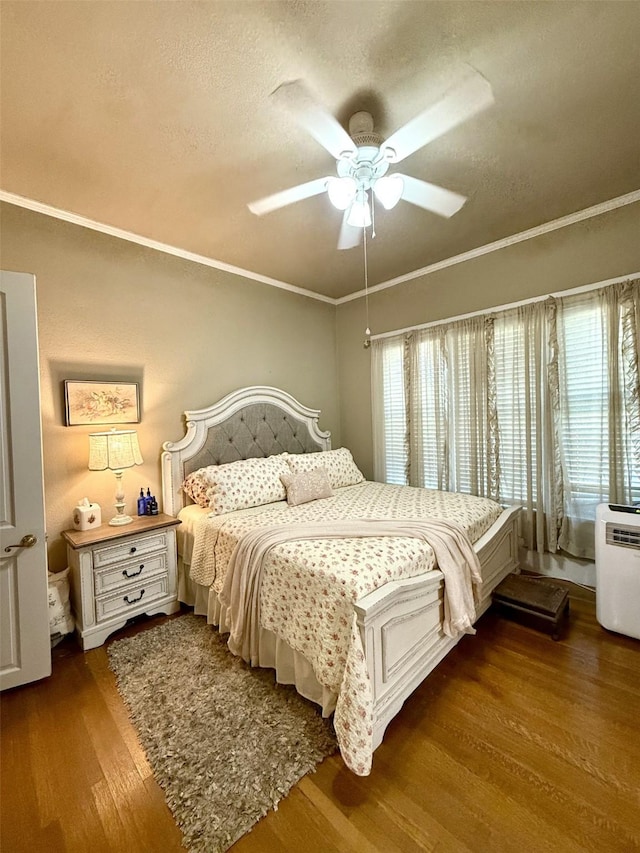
(189, 334)
(354, 381)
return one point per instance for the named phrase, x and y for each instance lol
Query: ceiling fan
(363, 157)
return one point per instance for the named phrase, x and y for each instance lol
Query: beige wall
(594, 250)
(108, 309)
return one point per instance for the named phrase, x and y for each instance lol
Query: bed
(353, 615)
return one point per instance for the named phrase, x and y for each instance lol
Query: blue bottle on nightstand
(141, 503)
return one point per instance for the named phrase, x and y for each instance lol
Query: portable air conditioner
(618, 568)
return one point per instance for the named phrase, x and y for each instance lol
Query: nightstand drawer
(129, 574)
(132, 549)
(132, 601)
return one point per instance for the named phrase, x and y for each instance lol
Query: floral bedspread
(308, 587)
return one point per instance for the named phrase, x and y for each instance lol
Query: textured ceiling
(155, 117)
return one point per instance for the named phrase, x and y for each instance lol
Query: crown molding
(129, 236)
(498, 309)
(530, 234)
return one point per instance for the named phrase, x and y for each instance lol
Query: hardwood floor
(514, 743)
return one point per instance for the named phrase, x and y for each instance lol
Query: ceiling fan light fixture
(363, 157)
(341, 191)
(360, 215)
(389, 190)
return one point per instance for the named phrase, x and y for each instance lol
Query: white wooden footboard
(497, 551)
(401, 623)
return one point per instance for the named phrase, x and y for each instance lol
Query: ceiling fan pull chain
(367, 331)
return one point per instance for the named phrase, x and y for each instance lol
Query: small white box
(87, 516)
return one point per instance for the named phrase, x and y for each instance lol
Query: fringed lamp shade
(115, 450)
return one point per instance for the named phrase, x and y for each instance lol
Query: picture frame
(92, 402)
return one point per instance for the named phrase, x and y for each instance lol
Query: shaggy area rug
(226, 742)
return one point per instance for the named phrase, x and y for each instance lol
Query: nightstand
(120, 572)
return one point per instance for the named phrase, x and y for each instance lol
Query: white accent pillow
(307, 486)
(246, 483)
(341, 468)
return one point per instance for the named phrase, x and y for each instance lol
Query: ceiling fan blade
(289, 196)
(457, 105)
(431, 197)
(350, 235)
(313, 116)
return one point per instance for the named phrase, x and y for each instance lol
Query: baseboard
(560, 566)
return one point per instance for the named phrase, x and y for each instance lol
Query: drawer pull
(133, 600)
(133, 574)
(133, 550)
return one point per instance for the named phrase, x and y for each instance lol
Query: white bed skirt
(290, 666)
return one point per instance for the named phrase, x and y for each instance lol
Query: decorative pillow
(307, 486)
(196, 484)
(248, 482)
(341, 468)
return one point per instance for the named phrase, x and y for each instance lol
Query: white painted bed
(400, 622)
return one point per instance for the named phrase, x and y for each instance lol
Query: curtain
(538, 404)
(448, 424)
(527, 409)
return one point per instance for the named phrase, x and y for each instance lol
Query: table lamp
(116, 450)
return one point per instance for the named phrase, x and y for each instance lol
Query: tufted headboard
(250, 422)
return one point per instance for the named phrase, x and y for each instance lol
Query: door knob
(27, 541)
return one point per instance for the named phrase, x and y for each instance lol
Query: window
(538, 404)
(394, 413)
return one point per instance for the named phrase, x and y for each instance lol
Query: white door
(25, 649)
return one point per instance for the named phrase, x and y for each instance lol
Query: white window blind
(584, 405)
(394, 408)
(517, 407)
(432, 401)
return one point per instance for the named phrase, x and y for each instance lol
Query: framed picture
(101, 402)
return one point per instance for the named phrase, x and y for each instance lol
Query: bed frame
(400, 623)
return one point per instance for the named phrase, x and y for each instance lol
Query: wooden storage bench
(537, 603)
